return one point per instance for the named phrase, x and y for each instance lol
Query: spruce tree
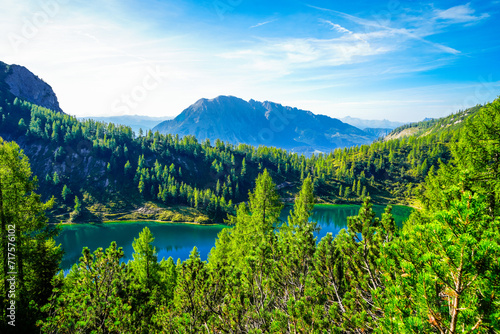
(65, 192)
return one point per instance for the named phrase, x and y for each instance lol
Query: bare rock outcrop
(27, 86)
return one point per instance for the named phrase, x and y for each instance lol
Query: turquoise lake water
(177, 240)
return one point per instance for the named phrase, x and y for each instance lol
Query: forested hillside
(101, 171)
(437, 274)
(435, 126)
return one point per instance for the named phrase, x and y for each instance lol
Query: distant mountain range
(227, 118)
(136, 122)
(235, 121)
(100, 164)
(365, 123)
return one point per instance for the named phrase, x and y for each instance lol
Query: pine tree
(347, 192)
(55, 178)
(265, 204)
(360, 246)
(477, 154)
(294, 252)
(141, 185)
(127, 169)
(187, 296)
(77, 209)
(146, 289)
(217, 188)
(27, 247)
(88, 299)
(441, 274)
(65, 192)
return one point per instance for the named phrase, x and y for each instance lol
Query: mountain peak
(235, 121)
(25, 85)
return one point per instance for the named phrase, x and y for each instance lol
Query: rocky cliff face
(27, 86)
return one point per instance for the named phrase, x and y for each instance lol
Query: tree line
(437, 274)
(83, 158)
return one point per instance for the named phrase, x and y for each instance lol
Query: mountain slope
(117, 175)
(23, 84)
(236, 121)
(448, 124)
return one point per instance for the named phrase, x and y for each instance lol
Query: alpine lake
(177, 240)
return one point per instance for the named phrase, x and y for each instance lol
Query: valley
(249, 167)
(116, 174)
(173, 229)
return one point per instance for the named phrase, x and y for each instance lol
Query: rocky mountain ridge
(25, 85)
(236, 121)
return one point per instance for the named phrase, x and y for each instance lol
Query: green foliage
(56, 179)
(91, 298)
(346, 275)
(27, 247)
(265, 205)
(65, 192)
(438, 274)
(253, 225)
(442, 272)
(477, 154)
(150, 283)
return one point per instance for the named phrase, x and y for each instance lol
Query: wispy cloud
(373, 27)
(285, 56)
(262, 23)
(460, 14)
(336, 27)
(103, 50)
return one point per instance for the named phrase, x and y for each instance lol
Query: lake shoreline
(135, 221)
(177, 239)
(319, 205)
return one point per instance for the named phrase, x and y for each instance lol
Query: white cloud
(262, 23)
(337, 27)
(460, 14)
(92, 59)
(285, 56)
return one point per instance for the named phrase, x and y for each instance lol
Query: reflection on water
(177, 240)
(333, 218)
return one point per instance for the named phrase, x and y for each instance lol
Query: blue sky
(401, 61)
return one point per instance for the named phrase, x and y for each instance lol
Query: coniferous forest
(75, 160)
(437, 274)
